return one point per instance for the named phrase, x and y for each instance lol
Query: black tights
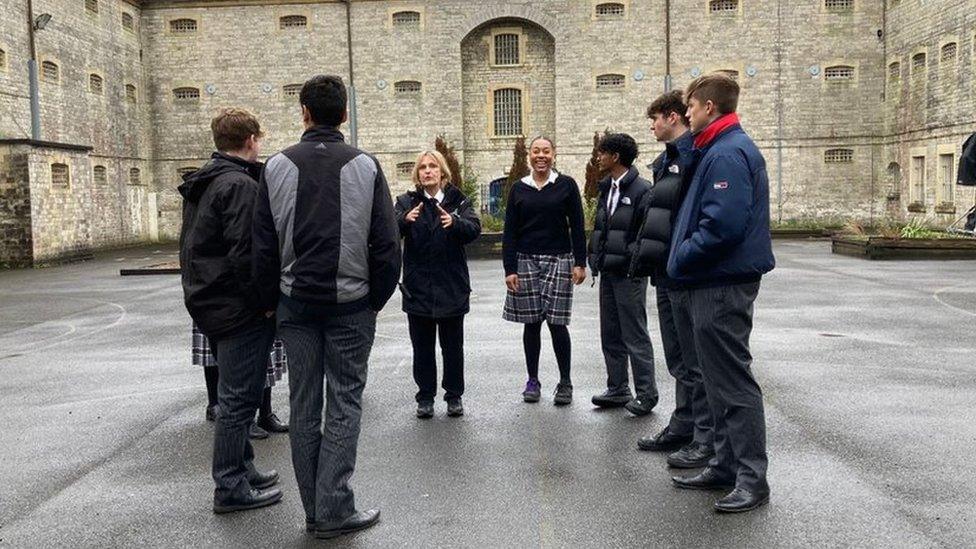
(532, 342)
(211, 376)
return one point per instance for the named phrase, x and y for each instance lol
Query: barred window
(838, 156)
(731, 73)
(135, 177)
(100, 175)
(894, 72)
(839, 73)
(95, 84)
(186, 95)
(723, 6)
(130, 93)
(183, 26)
(407, 87)
(508, 112)
(839, 6)
(406, 19)
(610, 10)
(127, 22)
(949, 52)
(507, 49)
(293, 22)
(91, 5)
(59, 175)
(3, 59)
(918, 63)
(947, 177)
(610, 82)
(404, 170)
(292, 90)
(50, 71)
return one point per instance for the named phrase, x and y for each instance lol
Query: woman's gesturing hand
(512, 282)
(446, 219)
(412, 214)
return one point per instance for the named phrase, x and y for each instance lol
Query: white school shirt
(553, 174)
(614, 195)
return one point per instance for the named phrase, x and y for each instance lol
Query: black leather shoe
(741, 500)
(253, 500)
(455, 408)
(692, 456)
(564, 394)
(641, 406)
(212, 412)
(260, 480)
(256, 433)
(425, 410)
(272, 424)
(359, 520)
(708, 479)
(606, 399)
(665, 441)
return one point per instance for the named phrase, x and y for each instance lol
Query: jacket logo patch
(674, 168)
(720, 185)
(625, 200)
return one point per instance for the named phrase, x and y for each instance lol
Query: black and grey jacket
(324, 228)
(612, 240)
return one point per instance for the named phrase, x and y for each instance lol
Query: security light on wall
(41, 21)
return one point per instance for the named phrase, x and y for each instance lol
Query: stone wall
(15, 207)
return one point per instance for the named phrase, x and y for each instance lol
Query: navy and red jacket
(721, 234)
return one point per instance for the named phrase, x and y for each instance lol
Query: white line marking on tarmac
(937, 293)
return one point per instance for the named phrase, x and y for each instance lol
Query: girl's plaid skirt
(545, 290)
(200, 355)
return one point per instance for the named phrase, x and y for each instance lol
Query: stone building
(860, 106)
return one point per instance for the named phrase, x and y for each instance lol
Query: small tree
(591, 188)
(520, 166)
(441, 146)
(469, 186)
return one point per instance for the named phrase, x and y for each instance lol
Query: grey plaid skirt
(200, 355)
(545, 290)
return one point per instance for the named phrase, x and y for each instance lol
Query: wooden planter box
(877, 247)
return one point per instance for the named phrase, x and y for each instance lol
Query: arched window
(404, 170)
(508, 112)
(610, 10)
(127, 22)
(918, 63)
(894, 72)
(291, 90)
(610, 82)
(407, 88)
(186, 95)
(839, 73)
(135, 177)
(95, 84)
(507, 49)
(183, 26)
(130, 93)
(50, 72)
(723, 7)
(949, 52)
(406, 19)
(839, 6)
(100, 175)
(59, 176)
(91, 6)
(838, 156)
(293, 22)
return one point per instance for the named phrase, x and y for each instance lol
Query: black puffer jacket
(672, 171)
(435, 267)
(966, 174)
(612, 241)
(215, 244)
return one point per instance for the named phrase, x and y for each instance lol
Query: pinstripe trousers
(330, 351)
(242, 361)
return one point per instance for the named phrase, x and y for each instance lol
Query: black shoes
(359, 520)
(455, 408)
(608, 399)
(641, 406)
(564, 394)
(665, 441)
(708, 479)
(260, 480)
(212, 412)
(741, 500)
(256, 433)
(692, 456)
(425, 410)
(272, 424)
(253, 500)
(533, 390)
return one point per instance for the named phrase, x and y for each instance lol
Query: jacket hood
(195, 183)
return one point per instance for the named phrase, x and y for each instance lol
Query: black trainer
(564, 394)
(665, 441)
(641, 406)
(607, 399)
(425, 410)
(455, 408)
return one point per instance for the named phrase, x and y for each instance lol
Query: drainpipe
(35, 101)
(779, 111)
(667, 46)
(353, 118)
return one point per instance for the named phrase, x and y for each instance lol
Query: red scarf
(717, 126)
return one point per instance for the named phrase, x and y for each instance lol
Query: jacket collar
(628, 177)
(324, 134)
(528, 180)
(718, 126)
(680, 146)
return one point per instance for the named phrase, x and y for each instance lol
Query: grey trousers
(330, 351)
(623, 335)
(722, 324)
(242, 362)
(692, 415)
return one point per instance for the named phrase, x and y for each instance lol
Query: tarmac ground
(867, 370)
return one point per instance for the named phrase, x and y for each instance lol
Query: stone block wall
(15, 207)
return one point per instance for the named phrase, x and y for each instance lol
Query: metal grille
(59, 175)
(508, 112)
(839, 72)
(609, 81)
(918, 62)
(186, 95)
(91, 5)
(506, 49)
(130, 93)
(292, 90)
(407, 87)
(100, 175)
(894, 72)
(135, 177)
(949, 52)
(404, 170)
(610, 10)
(947, 163)
(95, 84)
(127, 22)
(723, 6)
(839, 5)
(293, 22)
(838, 156)
(406, 19)
(183, 26)
(49, 71)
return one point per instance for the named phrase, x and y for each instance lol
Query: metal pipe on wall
(35, 100)
(353, 118)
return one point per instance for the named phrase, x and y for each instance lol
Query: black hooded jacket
(435, 268)
(215, 244)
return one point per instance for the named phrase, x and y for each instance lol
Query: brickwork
(15, 207)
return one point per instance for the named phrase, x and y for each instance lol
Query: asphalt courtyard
(867, 368)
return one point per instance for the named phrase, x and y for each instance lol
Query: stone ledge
(47, 144)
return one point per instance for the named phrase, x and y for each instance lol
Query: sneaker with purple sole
(533, 390)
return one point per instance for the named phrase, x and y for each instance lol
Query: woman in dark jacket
(436, 220)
